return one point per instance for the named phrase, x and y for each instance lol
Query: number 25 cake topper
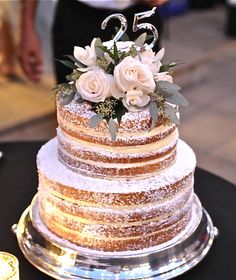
(136, 26)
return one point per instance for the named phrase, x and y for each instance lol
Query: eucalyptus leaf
(67, 63)
(99, 48)
(112, 129)
(67, 99)
(95, 120)
(168, 86)
(141, 40)
(171, 113)
(170, 92)
(75, 60)
(177, 99)
(153, 112)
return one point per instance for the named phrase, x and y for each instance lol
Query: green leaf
(141, 40)
(164, 68)
(67, 63)
(116, 54)
(153, 112)
(170, 92)
(110, 68)
(99, 50)
(167, 87)
(177, 99)
(75, 60)
(171, 113)
(112, 129)
(167, 67)
(67, 99)
(95, 120)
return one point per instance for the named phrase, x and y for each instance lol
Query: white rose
(131, 74)
(134, 99)
(95, 85)
(163, 76)
(86, 55)
(152, 60)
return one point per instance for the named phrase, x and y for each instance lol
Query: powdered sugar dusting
(190, 228)
(48, 164)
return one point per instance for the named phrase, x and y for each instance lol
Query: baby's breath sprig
(107, 108)
(132, 52)
(74, 75)
(103, 63)
(65, 93)
(160, 100)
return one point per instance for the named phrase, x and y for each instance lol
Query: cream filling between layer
(97, 164)
(116, 207)
(129, 136)
(49, 165)
(49, 208)
(115, 151)
(87, 235)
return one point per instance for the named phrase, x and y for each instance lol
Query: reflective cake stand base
(63, 260)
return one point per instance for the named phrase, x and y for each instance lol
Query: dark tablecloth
(18, 184)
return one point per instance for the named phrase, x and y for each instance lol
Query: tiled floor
(207, 78)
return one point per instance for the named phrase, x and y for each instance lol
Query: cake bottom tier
(115, 215)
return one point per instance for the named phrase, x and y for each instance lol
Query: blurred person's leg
(231, 18)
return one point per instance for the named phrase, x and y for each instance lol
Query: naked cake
(117, 177)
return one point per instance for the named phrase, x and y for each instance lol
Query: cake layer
(138, 149)
(151, 209)
(134, 129)
(117, 244)
(104, 160)
(114, 213)
(49, 165)
(90, 227)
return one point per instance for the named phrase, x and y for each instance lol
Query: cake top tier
(117, 77)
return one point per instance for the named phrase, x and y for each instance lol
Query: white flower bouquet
(120, 78)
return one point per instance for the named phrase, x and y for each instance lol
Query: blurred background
(200, 33)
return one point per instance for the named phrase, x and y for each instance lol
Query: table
(18, 184)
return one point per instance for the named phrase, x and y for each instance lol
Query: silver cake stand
(63, 260)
